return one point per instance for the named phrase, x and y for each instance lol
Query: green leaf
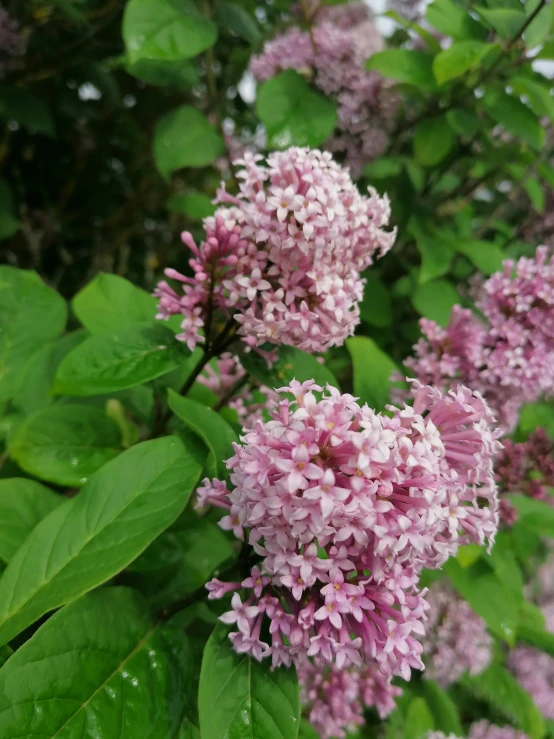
(232, 17)
(383, 168)
(484, 255)
(170, 30)
(9, 225)
(372, 371)
(514, 116)
(31, 315)
(192, 204)
(505, 21)
(534, 514)
(539, 29)
(443, 709)
(504, 563)
(181, 75)
(413, 67)
(501, 690)
(539, 96)
(65, 444)
(534, 415)
(129, 356)
(306, 730)
(419, 720)
(536, 637)
(451, 20)
(458, 59)
(376, 307)
(99, 662)
(535, 193)
(489, 598)
(83, 543)
(23, 504)
(436, 255)
(210, 427)
(547, 51)
(38, 375)
(435, 300)
(469, 554)
(294, 113)
(293, 364)
(18, 104)
(433, 140)
(463, 121)
(181, 559)
(240, 697)
(110, 302)
(185, 138)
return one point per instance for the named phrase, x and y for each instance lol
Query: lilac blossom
(285, 259)
(456, 639)
(534, 671)
(333, 700)
(333, 55)
(328, 491)
(485, 730)
(508, 357)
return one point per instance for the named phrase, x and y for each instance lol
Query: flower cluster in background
(456, 639)
(525, 468)
(509, 357)
(12, 43)
(334, 699)
(334, 52)
(483, 730)
(330, 491)
(285, 258)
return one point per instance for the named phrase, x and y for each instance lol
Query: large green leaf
(39, 373)
(497, 605)
(505, 21)
(376, 308)
(293, 113)
(514, 116)
(185, 138)
(99, 667)
(372, 371)
(169, 30)
(419, 720)
(484, 255)
(109, 303)
(127, 357)
(232, 17)
(433, 140)
(501, 690)
(240, 698)
(65, 444)
(539, 96)
(181, 559)
(31, 315)
(293, 364)
(443, 708)
(535, 514)
(536, 637)
(23, 504)
(413, 67)
(83, 543)
(451, 20)
(458, 59)
(435, 300)
(210, 427)
(179, 74)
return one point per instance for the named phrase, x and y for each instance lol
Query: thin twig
(231, 392)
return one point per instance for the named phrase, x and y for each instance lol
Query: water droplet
(134, 682)
(154, 664)
(124, 674)
(151, 653)
(111, 692)
(74, 462)
(38, 709)
(83, 480)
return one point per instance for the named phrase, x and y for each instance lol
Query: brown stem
(231, 392)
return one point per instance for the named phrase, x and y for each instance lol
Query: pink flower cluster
(456, 639)
(510, 358)
(12, 43)
(344, 506)
(334, 699)
(334, 53)
(285, 259)
(534, 671)
(525, 468)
